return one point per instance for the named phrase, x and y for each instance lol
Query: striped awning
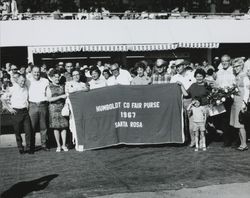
(101, 48)
(198, 45)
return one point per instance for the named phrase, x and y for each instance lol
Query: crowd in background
(34, 93)
(60, 10)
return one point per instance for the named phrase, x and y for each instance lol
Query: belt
(39, 103)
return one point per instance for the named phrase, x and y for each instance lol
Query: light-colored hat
(160, 62)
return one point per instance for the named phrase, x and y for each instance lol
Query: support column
(30, 55)
(209, 56)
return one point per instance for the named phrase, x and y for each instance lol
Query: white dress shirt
(124, 78)
(94, 84)
(187, 80)
(37, 89)
(225, 78)
(19, 96)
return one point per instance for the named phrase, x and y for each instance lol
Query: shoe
(196, 149)
(64, 148)
(204, 148)
(58, 149)
(192, 145)
(21, 151)
(242, 148)
(45, 149)
(31, 152)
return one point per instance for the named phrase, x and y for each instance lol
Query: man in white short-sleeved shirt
(120, 76)
(21, 119)
(38, 105)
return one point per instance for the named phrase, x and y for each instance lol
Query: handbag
(244, 116)
(65, 110)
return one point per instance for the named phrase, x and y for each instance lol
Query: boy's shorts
(199, 126)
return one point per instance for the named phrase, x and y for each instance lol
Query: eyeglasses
(236, 66)
(76, 75)
(112, 70)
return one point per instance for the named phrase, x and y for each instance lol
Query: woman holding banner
(56, 97)
(96, 81)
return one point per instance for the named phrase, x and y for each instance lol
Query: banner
(150, 114)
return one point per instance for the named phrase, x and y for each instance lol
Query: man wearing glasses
(225, 78)
(160, 76)
(120, 76)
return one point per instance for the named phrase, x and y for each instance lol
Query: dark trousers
(21, 122)
(39, 117)
(222, 122)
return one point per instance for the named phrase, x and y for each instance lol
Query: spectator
(22, 70)
(120, 76)
(141, 78)
(56, 97)
(148, 71)
(210, 77)
(240, 101)
(44, 71)
(6, 82)
(106, 73)
(8, 68)
(67, 76)
(160, 76)
(225, 78)
(133, 72)
(96, 81)
(199, 120)
(206, 66)
(14, 9)
(38, 104)
(75, 84)
(198, 89)
(186, 77)
(21, 118)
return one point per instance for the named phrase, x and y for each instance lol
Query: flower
(218, 102)
(236, 89)
(232, 96)
(223, 99)
(226, 90)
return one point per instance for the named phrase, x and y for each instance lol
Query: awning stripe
(113, 48)
(198, 45)
(104, 48)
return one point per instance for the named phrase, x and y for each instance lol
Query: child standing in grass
(199, 120)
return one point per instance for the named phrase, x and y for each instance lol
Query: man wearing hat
(160, 76)
(186, 78)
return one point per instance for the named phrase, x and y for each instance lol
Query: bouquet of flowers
(219, 95)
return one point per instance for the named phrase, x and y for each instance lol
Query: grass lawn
(118, 170)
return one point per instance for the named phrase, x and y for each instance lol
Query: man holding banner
(120, 76)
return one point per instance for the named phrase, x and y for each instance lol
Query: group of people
(36, 96)
(9, 11)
